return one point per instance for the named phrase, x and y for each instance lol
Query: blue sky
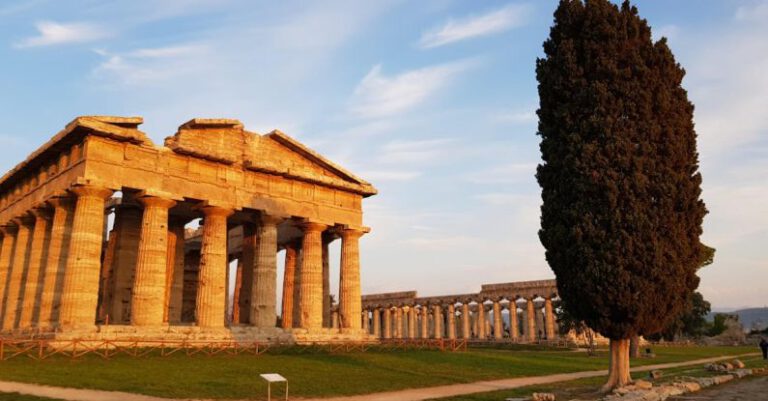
(432, 101)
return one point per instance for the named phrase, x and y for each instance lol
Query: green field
(316, 374)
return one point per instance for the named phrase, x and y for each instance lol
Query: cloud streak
(53, 33)
(511, 16)
(378, 95)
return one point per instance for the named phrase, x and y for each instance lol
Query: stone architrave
(311, 286)
(451, 321)
(175, 275)
(350, 301)
(127, 229)
(148, 302)
(6, 260)
(211, 293)
(289, 277)
(498, 325)
(38, 255)
(79, 296)
(465, 328)
(264, 285)
(18, 269)
(55, 267)
(530, 313)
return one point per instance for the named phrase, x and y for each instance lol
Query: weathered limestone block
(58, 249)
(81, 280)
(149, 289)
(263, 288)
(37, 258)
(289, 275)
(211, 293)
(18, 268)
(350, 298)
(311, 286)
(218, 140)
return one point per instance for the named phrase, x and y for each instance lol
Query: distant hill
(749, 317)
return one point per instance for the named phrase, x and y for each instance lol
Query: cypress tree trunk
(634, 346)
(618, 370)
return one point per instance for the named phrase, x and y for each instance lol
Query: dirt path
(72, 394)
(453, 390)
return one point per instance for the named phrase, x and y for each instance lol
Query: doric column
(236, 296)
(105, 281)
(398, 322)
(437, 312)
(327, 238)
(38, 255)
(334, 319)
(80, 294)
(465, 329)
(6, 259)
(412, 321)
(424, 312)
(386, 330)
(127, 230)
(16, 273)
(451, 321)
(211, 293)
(531, 318)
(58, 249)
(264, 285)
(289, 277)
(311, 290)
(376, 321)
(481, 333)
(248, 265)
(549, 317)
(514, 331)
(364, 321)
(350, 297)
(175, 284)
(149, 296)
(498, 323)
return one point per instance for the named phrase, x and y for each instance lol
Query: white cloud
(54, 33)
(413, 151)
(524, 116)
(379, 96)
(753, 12)
(668, 31)
(497, 21)
(507, 173)
(150, 65)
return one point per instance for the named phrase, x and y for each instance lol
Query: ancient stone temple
(520, 312)
(94, 243)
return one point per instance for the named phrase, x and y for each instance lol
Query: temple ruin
(64, 274)
(518, 312)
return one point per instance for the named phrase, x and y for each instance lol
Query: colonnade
(60, 269)
(492, 320)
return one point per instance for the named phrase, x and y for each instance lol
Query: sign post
(274, 378)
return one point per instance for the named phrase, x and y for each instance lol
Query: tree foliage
(621, 214)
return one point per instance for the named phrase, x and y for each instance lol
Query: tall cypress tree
(621, 214)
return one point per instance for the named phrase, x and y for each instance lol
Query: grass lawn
(20, 397)
(587, 388)
(316, 374)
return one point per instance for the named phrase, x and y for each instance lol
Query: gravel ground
(748, 389)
